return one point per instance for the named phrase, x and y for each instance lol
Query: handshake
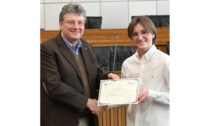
(92, 105)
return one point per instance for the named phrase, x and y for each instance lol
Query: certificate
(119, 92)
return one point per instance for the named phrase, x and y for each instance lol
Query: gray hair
(72, 8)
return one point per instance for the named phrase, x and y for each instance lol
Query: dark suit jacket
(62, 94)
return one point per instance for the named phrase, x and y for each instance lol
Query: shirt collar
(148, 53)
(79, 44)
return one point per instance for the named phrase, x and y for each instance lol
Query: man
(70, 74)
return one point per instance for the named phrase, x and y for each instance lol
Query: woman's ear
(153, 35)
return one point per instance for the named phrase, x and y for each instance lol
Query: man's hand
(94, 108)
(113, 76)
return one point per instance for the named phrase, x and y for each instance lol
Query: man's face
(72, 26)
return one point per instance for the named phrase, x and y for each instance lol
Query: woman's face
(142, 38)
(72, 26)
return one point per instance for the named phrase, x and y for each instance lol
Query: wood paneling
(113, 117)
(107, 37)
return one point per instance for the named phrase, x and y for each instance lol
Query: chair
(105, 56)
(164, 21)
(168, 47)
(158, 20)
(93, 22)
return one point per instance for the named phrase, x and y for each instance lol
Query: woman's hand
(142, 96)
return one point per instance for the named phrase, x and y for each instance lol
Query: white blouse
(153, 69)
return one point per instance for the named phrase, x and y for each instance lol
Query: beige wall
(115, 13)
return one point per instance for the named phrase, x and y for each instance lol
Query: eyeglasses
(142, 33)
(73, 23)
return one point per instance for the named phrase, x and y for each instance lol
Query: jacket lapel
(68, 54)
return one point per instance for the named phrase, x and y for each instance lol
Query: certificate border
(102, 81)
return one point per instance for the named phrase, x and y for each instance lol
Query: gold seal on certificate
(119, 92)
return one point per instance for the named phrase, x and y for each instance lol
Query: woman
(152, 67)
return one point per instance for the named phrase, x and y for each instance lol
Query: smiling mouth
(139, 42)
(75, 32)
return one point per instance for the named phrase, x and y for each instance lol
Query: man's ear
(60, 25)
